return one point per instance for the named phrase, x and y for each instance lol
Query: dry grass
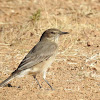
(21, 26)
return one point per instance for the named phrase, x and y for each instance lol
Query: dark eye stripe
(53, 32)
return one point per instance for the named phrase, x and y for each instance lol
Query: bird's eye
(53, 32)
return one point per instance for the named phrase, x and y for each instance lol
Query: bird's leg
(44, 77)
(37, 81)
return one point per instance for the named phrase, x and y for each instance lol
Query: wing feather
(41, 52)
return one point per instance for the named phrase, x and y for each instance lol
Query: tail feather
(6, 81)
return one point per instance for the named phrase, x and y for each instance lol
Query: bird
(39, 58)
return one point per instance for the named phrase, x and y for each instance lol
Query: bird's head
(52, 34)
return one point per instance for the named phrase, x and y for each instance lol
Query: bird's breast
(43, 66)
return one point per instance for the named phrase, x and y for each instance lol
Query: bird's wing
(41, 52)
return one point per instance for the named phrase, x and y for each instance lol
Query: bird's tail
(6, 81)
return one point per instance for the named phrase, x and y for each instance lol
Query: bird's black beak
(64, 33)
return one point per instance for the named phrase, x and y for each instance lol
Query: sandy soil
(75, 74)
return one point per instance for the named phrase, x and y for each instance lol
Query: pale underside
(39, 59)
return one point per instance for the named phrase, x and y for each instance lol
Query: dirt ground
(75, 74)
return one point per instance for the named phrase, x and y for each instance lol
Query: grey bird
(39, 58)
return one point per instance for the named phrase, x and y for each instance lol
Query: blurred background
(75, 74)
